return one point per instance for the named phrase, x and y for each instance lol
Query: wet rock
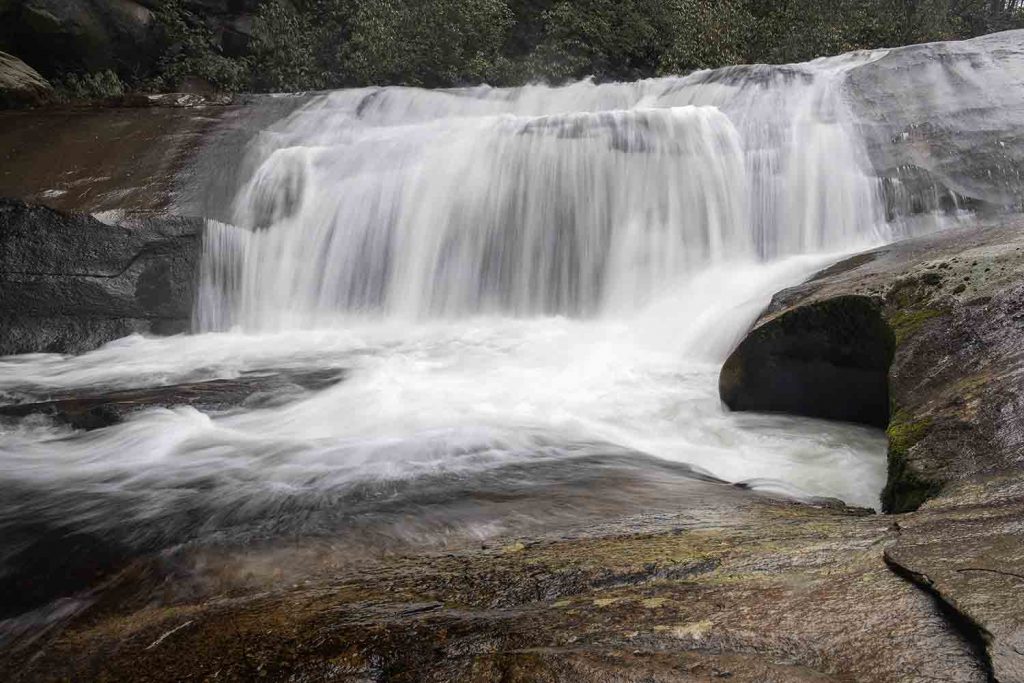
(764, 591)
(967, 550)
(946, 116)
(98, 410)
(948, 310)
(175, 153)
(71, 283)
(21, 85)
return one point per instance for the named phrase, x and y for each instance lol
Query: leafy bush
(716, 33)
(316, 44)
(192, 54)
(94, 86)
(425, 42)
(287, 48)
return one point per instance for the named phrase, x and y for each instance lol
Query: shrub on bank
(317, 44)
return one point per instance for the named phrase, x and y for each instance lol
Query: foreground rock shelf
(751, 590)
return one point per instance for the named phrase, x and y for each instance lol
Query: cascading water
(582, 200)
(531, 292)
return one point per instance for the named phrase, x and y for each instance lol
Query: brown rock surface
(750, 590)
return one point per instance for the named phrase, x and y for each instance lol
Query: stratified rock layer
(69, 283)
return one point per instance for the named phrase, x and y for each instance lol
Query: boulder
(947, 311)
(69, 283)
(21, 85)
(951, 309)
(125, 36)
(84, 35)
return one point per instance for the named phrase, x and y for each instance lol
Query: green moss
(905, 490)
(905, 323)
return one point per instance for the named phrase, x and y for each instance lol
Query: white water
(584, 200)
(512, 279)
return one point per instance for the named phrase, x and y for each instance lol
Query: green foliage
(316, 44)
(425, 42)
(193, 55)
(94, 86)
(717, 34)
(611, 39)
(287, 48)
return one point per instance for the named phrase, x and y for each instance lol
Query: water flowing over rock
(942, 121)
(525, 471)
(578, 200)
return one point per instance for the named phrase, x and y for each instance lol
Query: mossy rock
(828, 359)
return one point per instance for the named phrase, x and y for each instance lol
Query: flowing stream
(528, 290)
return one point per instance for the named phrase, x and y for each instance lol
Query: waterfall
(582, 200)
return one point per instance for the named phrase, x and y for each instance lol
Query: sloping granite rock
(69, 283)
(948, 310)
(21, 85)
(952, 308)
(967, 549)
(946, 115)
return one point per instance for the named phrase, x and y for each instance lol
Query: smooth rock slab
(69, 283)
(759, 591)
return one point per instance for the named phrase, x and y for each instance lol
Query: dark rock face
(123, 35)
(71, 283)
(84, 35)
(953, 306)
(829, 361)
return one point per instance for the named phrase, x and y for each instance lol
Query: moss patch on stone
(905, 490)
(905, 323)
